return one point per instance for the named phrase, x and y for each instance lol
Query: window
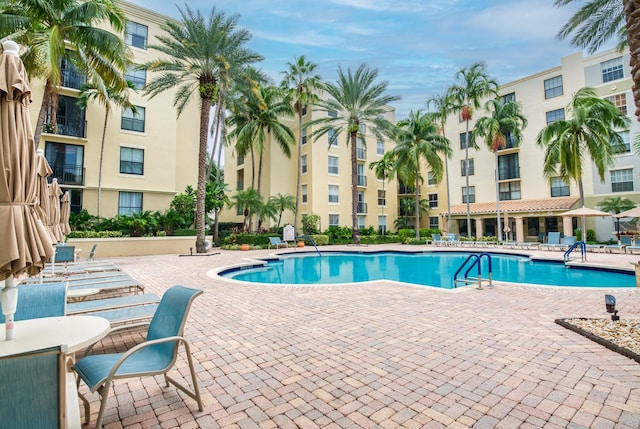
(303, 164)
(240, 181)
(304, 136)
(334, 220)
(467, 167)
(559, 187)
(612, 70)
(626, 141)
(133, 121)
(129, 203)
(380, 147)
(71, 77)
(553, 87)
(555, 115)
(508, 167)
(382, 224)
(361, 149)
(303, 191)
(138, 77)
(136, 35)
(333, 165)
(382, 198)
(470, 195)
(304, 109)
(240, 159)
(510, 191)
(362, 177)
(363, 128)
(362, 206)
(333, 194)
(620, 101)
(622, 180)
(66, 161)
(333, 139)
(433, 201)
(70, 118)
(508, 97)
(433, 222)
(75, 196)
(431, 179)
(131, 161)
(332, 114)
(463, 140)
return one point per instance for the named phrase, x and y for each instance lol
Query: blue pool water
(427, 269)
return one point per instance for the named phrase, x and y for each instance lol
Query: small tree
(310, 223)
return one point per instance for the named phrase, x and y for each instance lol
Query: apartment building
(532, 204)
(149, 156)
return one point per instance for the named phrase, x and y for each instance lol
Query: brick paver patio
(381, 355)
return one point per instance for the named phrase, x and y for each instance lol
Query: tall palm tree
(45, 29)
(106, 96)
(355, 100)
(418, 138)
(302, 84)
(444, 106)
(281, 203)
(591, 132)
(384, 169)
(260, 120)
(199, 50)
(473, 84)
(250, 201)
(506, 121)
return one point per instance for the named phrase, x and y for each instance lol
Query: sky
(416, 45)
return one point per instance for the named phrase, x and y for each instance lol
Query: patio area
(381, 355)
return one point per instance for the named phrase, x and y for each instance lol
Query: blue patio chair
(33, 389)
(625, 241)
(553, 239)
(566, 242)
(65, 253)
(157, 355)
(41, 300)
(277, 243)
(453, 239)
(437, 240)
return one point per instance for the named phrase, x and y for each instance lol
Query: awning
(517, 207)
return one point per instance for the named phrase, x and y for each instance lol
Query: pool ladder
(306, 237)
(472, 261)
(574, 246)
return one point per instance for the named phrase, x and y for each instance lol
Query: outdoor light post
(610, 303)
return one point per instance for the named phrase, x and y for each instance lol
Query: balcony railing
(361, 153)
(68, 174)
(406, 190)
(362, 180)
(362, 208)
(71, 78)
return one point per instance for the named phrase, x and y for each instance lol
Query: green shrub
(368, 231)
(94, 234)
(250, 239)
(320, 239)
(339, 233)
(414, 241)
(405, 234)
(184, 232)
(381, 239)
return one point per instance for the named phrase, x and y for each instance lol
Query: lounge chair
(277, 243)
(41, 300)
(553, 239)
(120, 283)
(157, 355)
(633, 247)
(453, 239)
(625, 240)
(566, 243)
(437, 240)
(595, 247)
(112, 303)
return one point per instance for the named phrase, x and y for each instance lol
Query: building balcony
(406, 190)
(68, 174)
(362, 181)
(361, 154)
(73, 79)
(362, 208)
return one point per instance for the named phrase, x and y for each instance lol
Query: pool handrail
(477, 258)
(306, 237)
(583, 250)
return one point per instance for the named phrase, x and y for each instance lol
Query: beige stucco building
(148, 157)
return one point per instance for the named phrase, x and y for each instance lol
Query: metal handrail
(477, 259)
(583, 250)
(306, 237)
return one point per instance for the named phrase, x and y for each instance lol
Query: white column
(479, 228)
(567, 226)
(519, 228)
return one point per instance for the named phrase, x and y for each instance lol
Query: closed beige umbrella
(42, 206)
(54, 211)
(65, 211)
(24, 243)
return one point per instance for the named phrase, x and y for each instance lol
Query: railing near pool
(474, 259)
(306, 237)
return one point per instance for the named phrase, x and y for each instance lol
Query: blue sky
(417, 45)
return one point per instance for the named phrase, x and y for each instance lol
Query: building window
(508, 167)
(304, 136)
(361, 149)
(303, 191)
(361, 222)
(131, 161)
(382, 198)
(510, 191)
(463, 140)
(553, 87)
(431, 179)
(380, 147)
(70, 118)
(240, 159)
(467, 167)
(133, 121)
(71, 77)
(137, 77)
(333, 165)
(622, 180)
(136, 35)
(333, 139)
(433, 222)
(304, 109)
(362, 206)
(332, 114)
(333, 194)
(382, 224)
(612, 70)
(362, 177)
(362, 128)
(559, 187)
(433, 201)
(303, 164)
(555, 115)
(129, 203)
(75, 196)
(626, 140)
(66, 161)
(469, 196)
(334, 220)
(508, 97)
(620, 101)
(240, 180)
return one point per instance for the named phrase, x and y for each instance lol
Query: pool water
(426, 269)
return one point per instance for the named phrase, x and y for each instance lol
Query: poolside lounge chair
(553, 239)
(157, 355)
(625, 240)
(565, 243)
(595, 247)
(437, 240)
(277, 243)
(453, 239)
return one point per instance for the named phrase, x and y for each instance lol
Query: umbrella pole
(9, 304)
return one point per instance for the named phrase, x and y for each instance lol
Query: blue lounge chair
(41, 300)
(437, 240)
(453, 239)
(625, 241)
(157, 355)
(566, 242)
(277, 243)
(553, 239)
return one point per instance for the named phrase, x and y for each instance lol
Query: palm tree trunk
(202, 172)
(42, 114)
(632, 14)
(104, 136)
(446, 173)
(498, 199)
(216, 136)
(354, 189)
(218, 178)
(466, 176)
(417, 209)
(299, 176)
(253, 167)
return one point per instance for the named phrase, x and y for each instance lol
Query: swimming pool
(424, 269)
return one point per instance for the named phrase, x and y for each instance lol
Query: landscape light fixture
(610, 302)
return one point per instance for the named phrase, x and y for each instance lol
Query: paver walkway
(381, 355)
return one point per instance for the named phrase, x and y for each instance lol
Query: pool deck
(381, 355)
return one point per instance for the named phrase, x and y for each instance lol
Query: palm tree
(355, 100)
(506, 121)
(282, 203)
(301, 82)
(198, 52)
(591, 132)
(250, 201)
(443, 105)
(49, 31)
(105, 96)
(417, 138)
(473, 84)
(384, 169)
(616, 205)
(254, 125)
